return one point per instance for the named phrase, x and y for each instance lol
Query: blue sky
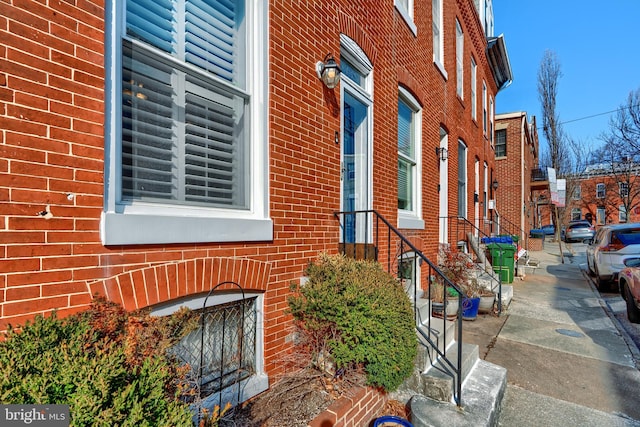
(598, 46)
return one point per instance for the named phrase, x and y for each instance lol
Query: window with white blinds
(184, 126)
(409, 160)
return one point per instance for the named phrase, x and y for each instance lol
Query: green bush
(109, 366)
(359, 314)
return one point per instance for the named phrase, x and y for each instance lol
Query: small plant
(359, 315)
(456, 265)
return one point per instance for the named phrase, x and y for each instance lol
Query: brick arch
(160, 283)
(411, 84)
(357, 33)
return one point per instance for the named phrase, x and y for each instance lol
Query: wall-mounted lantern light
(328, 71)
(494, 184)
(442, 153)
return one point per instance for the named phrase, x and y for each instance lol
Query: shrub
(109, 366)
(360, 315)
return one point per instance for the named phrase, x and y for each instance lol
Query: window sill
(407, 19)
(140, 229)
(440, 68)
(410, 221)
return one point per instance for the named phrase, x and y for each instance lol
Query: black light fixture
(442, 153)
(494, 184)
(328, 71)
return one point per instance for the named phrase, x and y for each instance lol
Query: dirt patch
(296, 399)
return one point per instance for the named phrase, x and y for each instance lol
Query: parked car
(549, 229)
(578, 231)
(611, 246)
(629, 284)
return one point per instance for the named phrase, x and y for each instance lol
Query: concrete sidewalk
(568, 364)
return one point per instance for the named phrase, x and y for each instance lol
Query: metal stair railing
(368, 235)
(460, 230)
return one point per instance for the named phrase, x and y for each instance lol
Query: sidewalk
(567, 362)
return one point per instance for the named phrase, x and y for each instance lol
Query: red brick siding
(52, 154)
(357, 410)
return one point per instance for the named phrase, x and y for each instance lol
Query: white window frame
(577, 192)
(501, 144)
(463, 180)
(474, 84)
(622, 214)
(491, 131)
(459, 60)
(413, 218)
(405, 8)
(576, 214)
(485, 191)
(484, 108)
(128, 223)
(623, 189)
(438, 35)
(601, 191)
(601, 215)
(251, 386)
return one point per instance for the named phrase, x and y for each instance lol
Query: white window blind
(183, 110)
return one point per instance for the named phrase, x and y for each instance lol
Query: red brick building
(517, 151)
(605, 195)
(150, 152)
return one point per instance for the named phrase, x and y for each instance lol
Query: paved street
(569, 360)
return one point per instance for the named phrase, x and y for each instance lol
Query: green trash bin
(503, 260)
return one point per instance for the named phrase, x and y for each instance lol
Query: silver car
(579, 231)
(609, 249)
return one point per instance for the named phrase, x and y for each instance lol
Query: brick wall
(357, 410)
(52, 159)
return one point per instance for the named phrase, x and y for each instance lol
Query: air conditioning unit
(492, 204)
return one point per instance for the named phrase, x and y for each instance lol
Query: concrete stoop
(482, 395)
(429, 392)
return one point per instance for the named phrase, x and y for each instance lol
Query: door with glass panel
(356, 151)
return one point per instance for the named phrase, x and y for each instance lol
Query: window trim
(501, 144)
(484, 108)
(577, 192)
(601, 191)
(459, 60)
(439, 58)
(622, 214)
(412, 219)
(463, 204)
(573, 212)
(407, 14)
(126, 223)
(474, 84)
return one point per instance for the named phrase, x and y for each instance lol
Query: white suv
(608, 250)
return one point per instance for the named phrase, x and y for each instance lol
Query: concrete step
(482, 395)
(436, 380)
(441, 332)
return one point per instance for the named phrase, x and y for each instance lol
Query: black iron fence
(368, 235)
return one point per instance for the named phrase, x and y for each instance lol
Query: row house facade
(603, 194)
(517, 157)
(162, 154)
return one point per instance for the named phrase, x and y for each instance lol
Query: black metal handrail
(458, 230)
(362, 238)
(539, 174)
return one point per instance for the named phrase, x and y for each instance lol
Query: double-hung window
(462, 179)
(459, 60)
(501, 143)
(409, 120)
(438, 45)
(600, 191)
(474, 83)
(623, 189)
(577, 193)
(484, 108)
(186, 150)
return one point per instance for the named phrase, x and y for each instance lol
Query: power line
(588, 117)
